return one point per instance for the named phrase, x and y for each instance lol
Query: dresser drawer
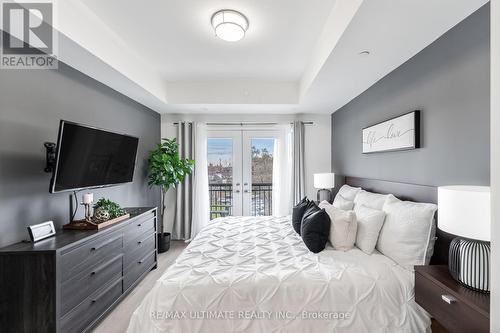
(138, 227)
(137, 268)
(132, 237)
(140, 247)
(92, 307)
(454, 315)
(87, 255)
(75, 290)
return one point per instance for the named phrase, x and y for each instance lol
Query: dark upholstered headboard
(411, 192)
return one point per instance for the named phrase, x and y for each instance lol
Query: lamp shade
(465, 211)
(324, 180)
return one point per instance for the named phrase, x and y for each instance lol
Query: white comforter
(254, 274)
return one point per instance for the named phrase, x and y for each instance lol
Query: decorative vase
(469, 263)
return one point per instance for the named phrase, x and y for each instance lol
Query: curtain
(201, 201)
(298, 179)
(184, 190)
(283, 172)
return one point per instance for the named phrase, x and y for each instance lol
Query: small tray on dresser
(454, 306)
(87, 225)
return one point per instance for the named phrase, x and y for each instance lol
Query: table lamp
(464, 211)
(324, 182)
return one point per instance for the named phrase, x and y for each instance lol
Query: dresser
(68, 282)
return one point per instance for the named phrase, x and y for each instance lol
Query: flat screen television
(89, 157)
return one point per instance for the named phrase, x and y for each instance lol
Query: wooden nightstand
(454, 306)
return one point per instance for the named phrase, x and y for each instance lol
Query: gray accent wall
(31, 104)
(450, 82)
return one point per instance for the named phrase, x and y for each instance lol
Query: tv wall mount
(50, 156)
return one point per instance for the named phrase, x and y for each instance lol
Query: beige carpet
(117, 320)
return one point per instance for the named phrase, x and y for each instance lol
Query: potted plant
(166, 169)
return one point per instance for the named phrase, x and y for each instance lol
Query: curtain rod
(249, 124)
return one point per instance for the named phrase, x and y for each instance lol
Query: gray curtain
(184, 201)
(298, 179)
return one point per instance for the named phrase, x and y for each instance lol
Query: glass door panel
(258, 155)
(240, 172)
(224, 173)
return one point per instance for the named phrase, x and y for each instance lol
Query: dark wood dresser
(68, 282)
(454, 306)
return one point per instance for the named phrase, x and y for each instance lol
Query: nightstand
(454, 306)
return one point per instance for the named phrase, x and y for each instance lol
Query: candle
(88, 198)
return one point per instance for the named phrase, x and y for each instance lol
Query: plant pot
(164, 242)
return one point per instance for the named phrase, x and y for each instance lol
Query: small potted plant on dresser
(166, 169)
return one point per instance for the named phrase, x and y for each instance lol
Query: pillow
(370, 222)
(343, 203)
(406, 236)
(342, 228)
(347, 192)
(324, 204)
(310, 208)
(315, 228)
(370, 200)
(297, 214)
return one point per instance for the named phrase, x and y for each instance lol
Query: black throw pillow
(315, 229)
(311, 208)
(298, 212)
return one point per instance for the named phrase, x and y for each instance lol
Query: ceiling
(176, 38)
(297, 56)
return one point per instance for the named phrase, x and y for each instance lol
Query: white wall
(317, 142)
(495, 166)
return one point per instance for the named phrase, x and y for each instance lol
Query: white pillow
(342, 228)
(343, 203)
(324, 204)
(370, 200)
(370, 222)
(347, 192)
(407, 233)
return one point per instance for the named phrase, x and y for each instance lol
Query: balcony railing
(221, 200)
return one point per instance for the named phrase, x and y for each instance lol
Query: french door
(240, 171)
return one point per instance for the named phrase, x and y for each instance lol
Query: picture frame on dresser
(41, 231)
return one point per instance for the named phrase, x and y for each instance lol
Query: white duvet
(254, 274)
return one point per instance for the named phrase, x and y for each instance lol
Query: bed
(254, 274)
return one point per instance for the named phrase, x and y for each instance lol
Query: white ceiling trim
(337, 22)
(82, 26)
(394, 31)
(231, 92)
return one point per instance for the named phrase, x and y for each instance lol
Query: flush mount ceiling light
(229, 25)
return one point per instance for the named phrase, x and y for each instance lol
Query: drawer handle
(143, 240)
(139, 225)
(140, 261)
(448, 299)
(103, 266)
(95, 248)
(104, 292)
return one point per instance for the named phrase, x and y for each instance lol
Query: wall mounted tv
(89, 157)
